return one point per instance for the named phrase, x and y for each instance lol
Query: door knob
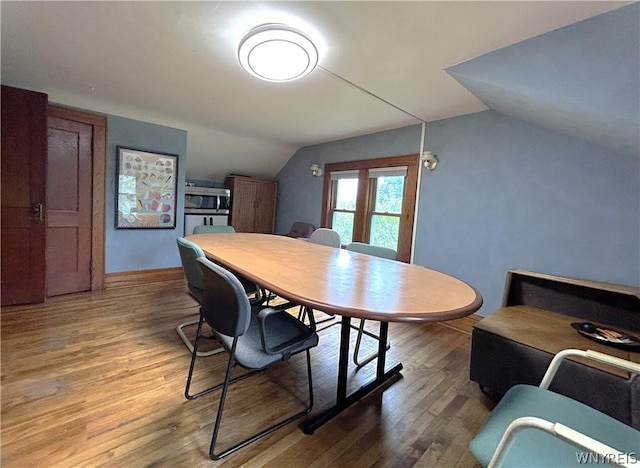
(38, 213)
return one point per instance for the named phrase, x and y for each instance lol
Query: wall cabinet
(253, 204)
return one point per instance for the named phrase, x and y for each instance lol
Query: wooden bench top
(550, 332)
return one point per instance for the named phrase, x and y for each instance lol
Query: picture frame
(146, 189)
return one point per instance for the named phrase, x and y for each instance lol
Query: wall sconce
(429, 159)
(315, 170)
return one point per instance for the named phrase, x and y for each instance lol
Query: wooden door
(265, 206)
(24, 154)
(69, 206)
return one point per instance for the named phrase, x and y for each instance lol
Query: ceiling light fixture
(277, 52)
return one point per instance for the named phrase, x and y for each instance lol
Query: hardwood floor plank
(97, 379)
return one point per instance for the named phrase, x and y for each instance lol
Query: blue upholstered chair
(376, 251)
(216, 228)
(535, 427)
(255, 338)
(189, 255)
(250, 288)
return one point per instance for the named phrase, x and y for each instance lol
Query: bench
(515, 344)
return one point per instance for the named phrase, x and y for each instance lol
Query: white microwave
(205, 199)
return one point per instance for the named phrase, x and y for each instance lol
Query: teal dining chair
(213, 229)
(536, 427)
(189, 255)
(260, 295)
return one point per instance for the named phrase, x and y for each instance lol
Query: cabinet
(515, 344)
(253, 204)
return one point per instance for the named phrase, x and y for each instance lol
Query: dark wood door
(69, 206)
(265, 206)
(24, 154)
(243, 202)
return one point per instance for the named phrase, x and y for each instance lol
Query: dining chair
(376, 251)
(253, 342)
(536, 427)
(326, 236)
(300, 230)
(330, 238)
(251, 288)
(189, 255)
(215, 228)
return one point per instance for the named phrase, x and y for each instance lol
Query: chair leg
(304, 312)
(269, 430)
(356, 350)
(194, 354)
(188, 344)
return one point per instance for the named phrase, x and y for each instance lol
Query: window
(343, 202)
(386, 188)
(372, 201)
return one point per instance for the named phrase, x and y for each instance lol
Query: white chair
(376, 251)
(325, 236)
(330, 238)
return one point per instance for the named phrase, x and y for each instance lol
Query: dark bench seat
(516, 343)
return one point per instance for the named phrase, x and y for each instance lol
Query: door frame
(99, 149)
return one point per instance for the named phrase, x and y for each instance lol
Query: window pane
(346, 194)
(343, 223)
(384, 231)
(389, 193)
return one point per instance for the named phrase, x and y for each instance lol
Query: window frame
(333, 202)
(366, 197)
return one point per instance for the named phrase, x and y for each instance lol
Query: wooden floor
(97, 379)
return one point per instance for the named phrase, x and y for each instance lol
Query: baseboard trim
(464, 324)
(129, 278)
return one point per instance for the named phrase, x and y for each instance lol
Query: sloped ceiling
(174, 63)
(581, 80)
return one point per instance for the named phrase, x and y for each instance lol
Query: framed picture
(146, 189)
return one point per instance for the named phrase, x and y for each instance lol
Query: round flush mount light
(277, 52)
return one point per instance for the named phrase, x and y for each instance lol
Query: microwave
(205, 199)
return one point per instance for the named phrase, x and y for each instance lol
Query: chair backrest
(225, 305)
(375, 250)
(325, 236)
(215, 229)
(189, 254)
(300, 229)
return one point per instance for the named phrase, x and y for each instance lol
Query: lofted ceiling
(174, 63)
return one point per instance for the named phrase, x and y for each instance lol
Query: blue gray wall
(581, 80)
(506, 194)
(142, 249)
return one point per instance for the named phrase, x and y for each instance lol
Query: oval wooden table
(349, 284)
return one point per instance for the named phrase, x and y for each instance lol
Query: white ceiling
(174, 63)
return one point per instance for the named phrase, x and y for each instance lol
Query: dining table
(349, 284)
